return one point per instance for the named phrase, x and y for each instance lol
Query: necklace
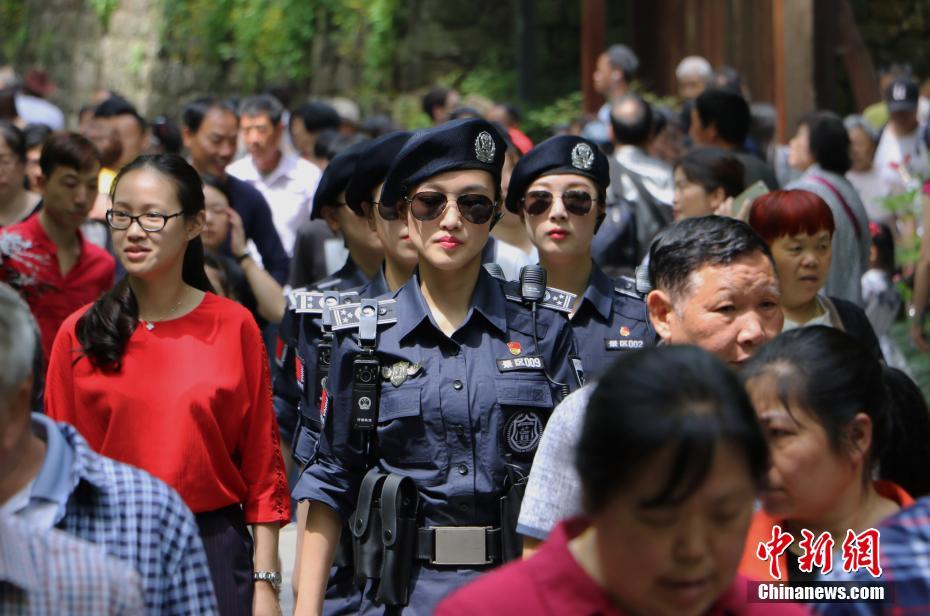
(149, 325)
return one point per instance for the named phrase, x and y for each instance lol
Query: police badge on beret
(484, 147)
(582, 157)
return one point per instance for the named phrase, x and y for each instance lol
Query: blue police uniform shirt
(611, 318)
(287, 388)
(466, 407)
(305, 442)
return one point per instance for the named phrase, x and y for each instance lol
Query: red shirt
(191, 405)
(29, 264)
(552, 582)
(760, 530)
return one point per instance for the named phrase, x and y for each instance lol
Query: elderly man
(714, 286)
(49, 477)
(285, 180)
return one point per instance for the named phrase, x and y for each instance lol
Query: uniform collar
(599, 293)
(487, 300)
(351, 274)
(378, 284)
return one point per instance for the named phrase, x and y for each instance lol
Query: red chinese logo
(861, 552)
(817, 552)
(773, 549)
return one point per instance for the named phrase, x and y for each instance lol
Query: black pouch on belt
(399, 504)
(511, 545)
(365, 527)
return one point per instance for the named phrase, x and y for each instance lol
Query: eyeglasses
(151, 222)
(474, 208)
(387, 212)
(577, 202)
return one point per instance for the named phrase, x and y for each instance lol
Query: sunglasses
(429, 205)
(577, 202)
(387, 212)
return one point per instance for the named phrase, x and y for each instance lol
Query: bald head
(631, 119)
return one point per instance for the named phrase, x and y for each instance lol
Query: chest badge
(624, 330)
(400, 371)
(515, 348)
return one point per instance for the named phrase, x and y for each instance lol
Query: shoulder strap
(624, 285)
(554, 299)
(846, 208)
(348, 316)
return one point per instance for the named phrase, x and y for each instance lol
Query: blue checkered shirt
(49, 572)
(141, 521)
(904, 554)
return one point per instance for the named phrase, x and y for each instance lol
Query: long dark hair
(104, 330)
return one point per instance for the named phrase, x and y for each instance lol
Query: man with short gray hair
(49, 477)
(287, 181)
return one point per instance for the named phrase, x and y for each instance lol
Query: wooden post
(593, 25)
(792, 36)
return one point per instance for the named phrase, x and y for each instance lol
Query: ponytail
(104, 330)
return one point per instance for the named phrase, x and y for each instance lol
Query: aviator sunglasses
(577, 202)
(429, 205)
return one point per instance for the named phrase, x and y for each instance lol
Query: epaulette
(324, 284)
(313, 302)
(554, 299)
(624, 285)
(348, 316)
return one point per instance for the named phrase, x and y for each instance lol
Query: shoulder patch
(348, 316)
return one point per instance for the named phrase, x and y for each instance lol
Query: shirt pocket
(525, 404)
(406, 443)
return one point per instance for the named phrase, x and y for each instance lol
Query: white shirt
(893, 151)
(872, 189)
(288, 190)
(656, 174)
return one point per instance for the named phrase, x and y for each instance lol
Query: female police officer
(558, 189)
(467, 375)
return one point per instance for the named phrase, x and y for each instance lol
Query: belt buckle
(460, 545)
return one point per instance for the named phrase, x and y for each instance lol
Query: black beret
(373, 164)
(469, 143)
(560, 154)
(335, 178)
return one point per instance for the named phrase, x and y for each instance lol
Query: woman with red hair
(798, 226)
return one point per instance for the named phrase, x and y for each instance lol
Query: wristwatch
(240, 258)
(272, 577)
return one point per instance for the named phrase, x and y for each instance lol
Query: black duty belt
(459, 545)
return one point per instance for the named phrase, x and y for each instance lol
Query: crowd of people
(604, 373)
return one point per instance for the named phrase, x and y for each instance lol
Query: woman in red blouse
(163, 374)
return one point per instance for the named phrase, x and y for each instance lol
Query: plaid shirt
(904, 552)
(139, 520)
(49, 572)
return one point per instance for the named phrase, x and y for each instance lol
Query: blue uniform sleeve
(286, 389)
(334, 476)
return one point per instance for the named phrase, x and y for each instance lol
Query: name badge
(622, 344)
(527, 362)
